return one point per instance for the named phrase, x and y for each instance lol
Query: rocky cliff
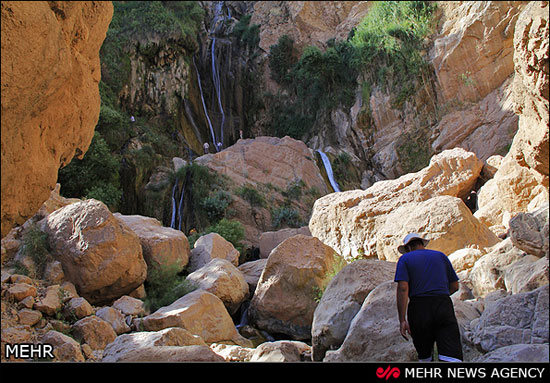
(50, 96)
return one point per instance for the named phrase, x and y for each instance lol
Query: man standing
(427, 279)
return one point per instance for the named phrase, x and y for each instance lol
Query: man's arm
(402, 301)
(453, 287)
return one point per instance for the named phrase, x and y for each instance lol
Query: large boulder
(162, 246)
(144, 346)
(445, 220)
(212, 246)
(342, 299)
(224, 280)
(373, 334)
(350, 222)
(517, 353)
(282, 351)
(252, 272)
(515, 319)
(529, 232)
(271, 239)
(101, 255)
(284, 300)
(50, 96)
(94, 331)
(199, 312)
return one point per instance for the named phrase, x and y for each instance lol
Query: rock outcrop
(284, 298)
(352, 222)
(101, 255)
(50, 96)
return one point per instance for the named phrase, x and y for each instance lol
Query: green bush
(282, 59)
(248, 35)
(164, 285)
(230, 230)
(286, 216)
(250, 194)
(96, 174)
(35, 246)
(215, 205)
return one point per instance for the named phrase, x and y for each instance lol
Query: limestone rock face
(342, 299)
(284, 298)
(162, 246)
(352, 222)
(99, 254)
(529, 232)
(473, 48)
(50, 96)
(373, 334)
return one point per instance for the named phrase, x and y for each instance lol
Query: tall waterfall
(328, 168)
(204, 104)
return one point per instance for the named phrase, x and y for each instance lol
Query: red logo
(388, 372)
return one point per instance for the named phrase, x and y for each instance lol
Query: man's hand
(404, 329)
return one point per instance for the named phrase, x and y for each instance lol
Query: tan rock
(29, 317)
(284, 300)
(99, 254)
(115, 319)
(252, 272)
(139, 346)
(233, 353)
(129, 306)
(162, 246)
(51, 302)
(445, 220)
(374, 332)
(464, 259)
(78, 307)
(271, 239)
(20, 291)
(341, 301)
(473, 54)
(529, 232)
(350, 221)
(282, 351)
(54, 273)
(526, 274)
(50, 97)
(65, 348)
(221, 278)
(94, 331)
(212, 246)
(199, 312)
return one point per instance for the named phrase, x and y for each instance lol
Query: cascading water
(204, 104)
(328, 168)
(217, 87)
(173, 220)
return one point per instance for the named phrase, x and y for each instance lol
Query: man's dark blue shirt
(428, 272)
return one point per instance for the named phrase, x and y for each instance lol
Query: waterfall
(173, 220)
(328, 168)
(217, 87)
(204, 104)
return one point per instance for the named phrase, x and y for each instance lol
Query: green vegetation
(95, 176)
(338, 264)
(286, 216)
(248, 35)
(250, 194)
(164, 285)
(35, 246)
(385, 49)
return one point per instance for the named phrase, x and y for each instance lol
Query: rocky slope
(50, 96)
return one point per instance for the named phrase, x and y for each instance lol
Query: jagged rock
(129, 306)
(212, 246)
(94, 331)
(445, 220)
(271, 239)
(115, 319)
(529, 232)
(20, 291)
(65, 348)
(233, 353)
(51, 302)
(342, 299)
(529, 273)
(29, 317)
(464, 259)
(143, 346)
(487, 275)
(54, 273)
(516, 319)
(350, 221)
(221, 278)
(252, 271)
(282, 351)
(162, 246)
(50, 97)
(84, 235)
(284, 298)
(78, 307)
(199, 312)
(516, 353)
(373, 334)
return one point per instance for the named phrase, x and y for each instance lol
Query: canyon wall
(50, 96)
